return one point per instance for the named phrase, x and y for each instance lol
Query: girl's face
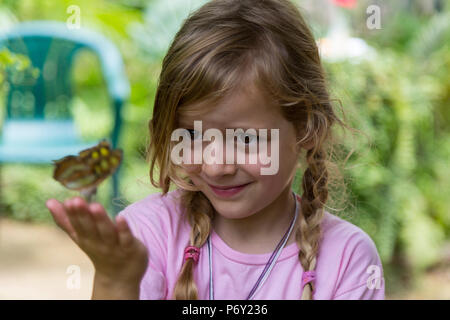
(248, 108)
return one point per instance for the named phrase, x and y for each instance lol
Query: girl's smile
(230, 191)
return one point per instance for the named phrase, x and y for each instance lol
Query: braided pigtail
(315, 194)
(199, 213)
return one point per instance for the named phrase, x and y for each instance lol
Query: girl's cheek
(253, 166)
(192, 168)
(256, 158)
(188, 164)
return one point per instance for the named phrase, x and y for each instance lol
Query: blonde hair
(219, 46)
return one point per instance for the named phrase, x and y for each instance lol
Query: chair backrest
(52, 47)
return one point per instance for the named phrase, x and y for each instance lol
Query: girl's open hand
(116, 254)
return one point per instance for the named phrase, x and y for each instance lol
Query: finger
(81, 219)
(126, 238)
(60, 216)
(86, 219)
(105, 226)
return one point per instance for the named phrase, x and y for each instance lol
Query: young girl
(227, 231)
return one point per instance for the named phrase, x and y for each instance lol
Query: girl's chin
(232, 215)
(232, 209)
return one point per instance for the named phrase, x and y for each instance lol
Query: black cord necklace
(269, 265)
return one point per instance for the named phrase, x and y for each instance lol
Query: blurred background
(388, 62)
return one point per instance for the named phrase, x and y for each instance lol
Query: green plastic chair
(38, 126)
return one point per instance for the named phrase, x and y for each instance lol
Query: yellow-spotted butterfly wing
(89, 168)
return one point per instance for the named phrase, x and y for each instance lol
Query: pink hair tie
(191, 252)
(308, 276)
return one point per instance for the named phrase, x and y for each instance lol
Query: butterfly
(86, 171)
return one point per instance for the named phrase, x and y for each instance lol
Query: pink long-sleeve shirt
(348, 265)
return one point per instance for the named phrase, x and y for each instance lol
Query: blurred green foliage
(399, 182)
(400, 178)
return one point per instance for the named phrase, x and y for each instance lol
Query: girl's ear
(309, 145)
(306, 144)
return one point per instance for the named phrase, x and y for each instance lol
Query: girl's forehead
(246, 108)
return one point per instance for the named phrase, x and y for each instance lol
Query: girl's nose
(219, 167)
(216, 170)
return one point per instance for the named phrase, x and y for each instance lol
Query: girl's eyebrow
(234, 128)
(245, 128)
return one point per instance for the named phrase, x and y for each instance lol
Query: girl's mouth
(227, 192)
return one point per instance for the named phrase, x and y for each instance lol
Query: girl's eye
(248, 138)
(193, 134)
